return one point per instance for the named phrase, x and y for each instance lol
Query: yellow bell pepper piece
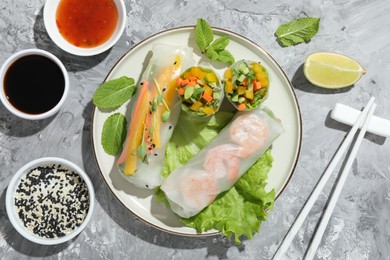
(208, 110)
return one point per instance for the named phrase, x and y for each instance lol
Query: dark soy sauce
(34, 84)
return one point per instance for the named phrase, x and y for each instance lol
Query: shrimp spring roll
(215, 169)
(155, 111)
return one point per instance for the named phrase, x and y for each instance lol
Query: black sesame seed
(42, 206)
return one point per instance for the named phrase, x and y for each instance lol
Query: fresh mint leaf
(222, 55)
(113, 93)
(297, 31)
(220, 43)
(114, 134)
(204, 35)
(211, 53)
(226, 57)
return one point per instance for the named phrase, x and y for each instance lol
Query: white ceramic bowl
(49, 17)
(11, 207)
(3, 70)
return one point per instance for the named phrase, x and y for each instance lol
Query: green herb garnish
(113, 93)
(297, 31)
(214, 49)
(114, 134)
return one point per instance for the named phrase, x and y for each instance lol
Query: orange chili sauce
(86, 23)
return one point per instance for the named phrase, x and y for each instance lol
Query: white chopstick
(320, 185)
(339, 186)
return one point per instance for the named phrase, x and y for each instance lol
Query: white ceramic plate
(281, 101)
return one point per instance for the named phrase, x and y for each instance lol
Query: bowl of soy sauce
(34, 84)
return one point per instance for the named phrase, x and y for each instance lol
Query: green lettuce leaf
(238, 211)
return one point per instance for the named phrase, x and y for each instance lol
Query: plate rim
(185, 27)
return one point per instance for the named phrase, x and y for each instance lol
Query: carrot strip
(136, 127)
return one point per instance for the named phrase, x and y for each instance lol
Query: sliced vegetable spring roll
(155, 111)
(246, 84)
(200, 91)
(215, 169)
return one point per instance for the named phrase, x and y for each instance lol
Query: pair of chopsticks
(364, 118)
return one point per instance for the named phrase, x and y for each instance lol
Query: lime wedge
(332, 70)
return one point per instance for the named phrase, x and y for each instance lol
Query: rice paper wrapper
(217, 167)
(163, 68)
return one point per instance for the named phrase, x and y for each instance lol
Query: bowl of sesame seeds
(50, 200)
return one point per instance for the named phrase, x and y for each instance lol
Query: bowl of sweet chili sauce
(84, 27)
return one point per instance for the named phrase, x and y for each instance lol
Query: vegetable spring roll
(215, 169)
(246, 84)
(155, 111)
(200, 91)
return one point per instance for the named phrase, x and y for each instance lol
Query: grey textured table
(359, 227)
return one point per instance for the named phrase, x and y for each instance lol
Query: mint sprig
(297, 31)
(214, 49)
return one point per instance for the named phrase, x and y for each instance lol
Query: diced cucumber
(243, 68)
(188, 92)
(216, 95)
(235, 98)
(241, 78)
(241, 99)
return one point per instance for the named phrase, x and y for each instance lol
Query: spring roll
(215, 169)
(155, 111)
(200, 91)
(246, 84)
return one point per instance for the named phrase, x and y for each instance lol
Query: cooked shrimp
(199, 189)
(249, 131)
(223, 161)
